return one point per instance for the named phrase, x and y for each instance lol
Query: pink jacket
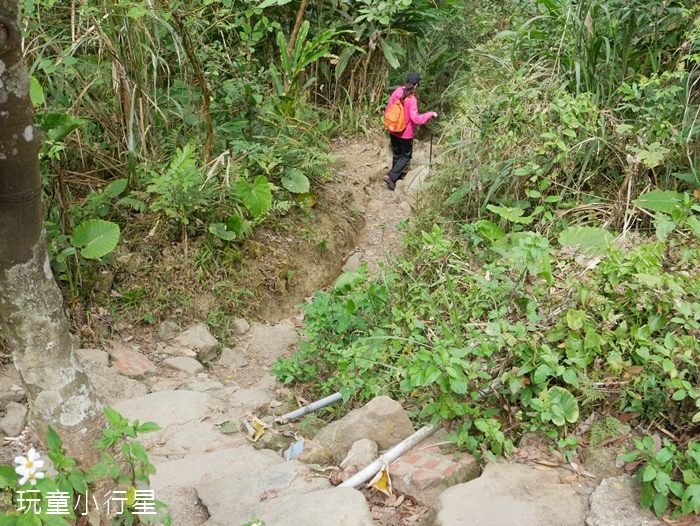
(410, 107)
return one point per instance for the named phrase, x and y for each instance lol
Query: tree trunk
(31, 305)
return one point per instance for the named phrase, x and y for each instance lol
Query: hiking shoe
(391, 185)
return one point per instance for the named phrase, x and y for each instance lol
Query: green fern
(132, 203)
(608, 427)
(282, 206)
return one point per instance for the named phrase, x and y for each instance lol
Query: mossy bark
(31, 305)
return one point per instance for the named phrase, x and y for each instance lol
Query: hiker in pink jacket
(402, 143)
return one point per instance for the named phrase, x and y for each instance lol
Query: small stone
(168, 330)
(10, 385)
(405, 206)
(93, 355)
(234, 358)
(199, 339)
(176, 350)
(184, 364)
(203, 376)
(15, 419)
(130, 362)
(382, 420)
(352, 264)
(315, 453)
(240, 326)
(358, 209)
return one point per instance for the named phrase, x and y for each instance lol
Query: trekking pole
(432, 129)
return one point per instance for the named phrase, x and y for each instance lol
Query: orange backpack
(395, 117)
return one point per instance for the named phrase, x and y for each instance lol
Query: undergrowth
(553, 277)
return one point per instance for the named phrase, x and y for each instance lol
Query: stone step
(328, 507)
(511, 494)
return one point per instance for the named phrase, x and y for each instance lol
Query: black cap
(413, 78)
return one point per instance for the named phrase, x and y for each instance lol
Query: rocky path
(213, 469)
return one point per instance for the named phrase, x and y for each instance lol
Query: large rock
(240, 493)
(166, 408)
(382, 420)
(240, 326)
(14, 420)
(334, 506)
(199, 339)
(202, 468)
(510, 494)
(110, 385)
(184, 364)
(615, 502)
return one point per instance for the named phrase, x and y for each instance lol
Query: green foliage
(670, 477)
(96, 237)
(131, 466)
(178, 190)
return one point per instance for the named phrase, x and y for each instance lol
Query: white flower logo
(28, 466)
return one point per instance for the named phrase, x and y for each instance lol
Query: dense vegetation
(552, 279)
(552, 273)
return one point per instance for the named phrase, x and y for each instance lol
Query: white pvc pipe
(323, 402)
(387, 458)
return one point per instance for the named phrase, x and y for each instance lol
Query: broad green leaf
(220, 230)
(257, 197)
(489, 230)
(649, 474)
(694, 224)
(234, 223)
(389, 53)
(660, 503)
(270, 3)
(343, 60)
(295, 181)
(36, 92)
(591, 241)
(513, 214)
(660, 201)
(664, 226)
(523, 170)
(97, 237)
(148, 427)
(691, 499)
(575, 319)
(566, 404)
(57, 125)
(115, 188)
(52, 439)
(349, 280)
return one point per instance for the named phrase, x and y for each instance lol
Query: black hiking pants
(402, 149)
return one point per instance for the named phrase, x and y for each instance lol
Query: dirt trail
(361, 168)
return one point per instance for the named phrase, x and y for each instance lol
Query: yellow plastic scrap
(259, 427)
(382, 481)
